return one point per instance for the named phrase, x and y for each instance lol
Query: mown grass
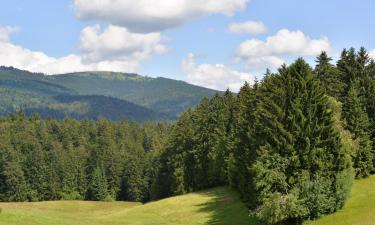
(358, 210)
(215, 206)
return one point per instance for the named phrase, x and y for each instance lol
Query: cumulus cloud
(215, 76)
(114, 49)
(156, 15)
(262, 62)
(117, 43)
(283, 43)
(249, 27)
(23, 58)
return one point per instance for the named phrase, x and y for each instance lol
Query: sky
(218, 44)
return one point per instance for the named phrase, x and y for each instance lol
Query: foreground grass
(358, 210)
(215, 206)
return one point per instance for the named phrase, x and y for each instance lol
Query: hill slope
(115, 96)
(215, 206)
(160, 94)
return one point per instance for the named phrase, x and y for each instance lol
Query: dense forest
(71, 159)
(290, 144)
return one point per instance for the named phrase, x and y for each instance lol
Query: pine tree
(133, 181)
(355, 69)
(329, 76)
(358, 123)
(98, 189)
(243, 153)
(347, 67)
(295, 167)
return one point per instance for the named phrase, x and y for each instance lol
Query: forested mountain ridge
(115, 96)
(160, 94)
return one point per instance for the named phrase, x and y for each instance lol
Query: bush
(71, 196)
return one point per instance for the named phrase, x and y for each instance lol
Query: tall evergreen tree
(358, 124)
(98, 189)
(243, 153)
(297, 149)
(329, 76)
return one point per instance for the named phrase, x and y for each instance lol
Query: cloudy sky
(212, 43)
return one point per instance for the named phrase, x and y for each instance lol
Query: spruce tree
(298, 143)
(358, 123)
(329, 76)
(243, 152)
(98, 189)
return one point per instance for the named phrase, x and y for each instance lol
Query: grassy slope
(215, 206)
(359, 209)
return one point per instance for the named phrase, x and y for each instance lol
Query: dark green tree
(98, 189)
(358, 123)
(299, 150)
(329, 76)
(243, 153)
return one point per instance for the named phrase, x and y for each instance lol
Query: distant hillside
(33, 93)
(90, 95)
(159, 94)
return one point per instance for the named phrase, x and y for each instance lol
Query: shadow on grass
(226, 208)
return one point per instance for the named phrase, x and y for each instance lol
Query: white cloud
(115, 49)
(250, 27)
(153, 15)
(283, 43)
(263, 62)
(23, 58)
(5, 32)
(372, 54)
(215, 76)
(117, 43)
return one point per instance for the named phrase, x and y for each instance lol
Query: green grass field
(216, 206)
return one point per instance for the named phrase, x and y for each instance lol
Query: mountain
(160, 94)
(89, 95)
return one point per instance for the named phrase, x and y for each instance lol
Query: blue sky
(192, 42)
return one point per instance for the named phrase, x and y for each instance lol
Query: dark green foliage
(243, 154)
(329, 76)
(299, 151)
(198, 149)
(98, 188)
(281, 143)
(358, 104)
(13, 185)
(70, 159)
(358, 124)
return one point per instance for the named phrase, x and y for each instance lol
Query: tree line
(71, 159)
(290, 144)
